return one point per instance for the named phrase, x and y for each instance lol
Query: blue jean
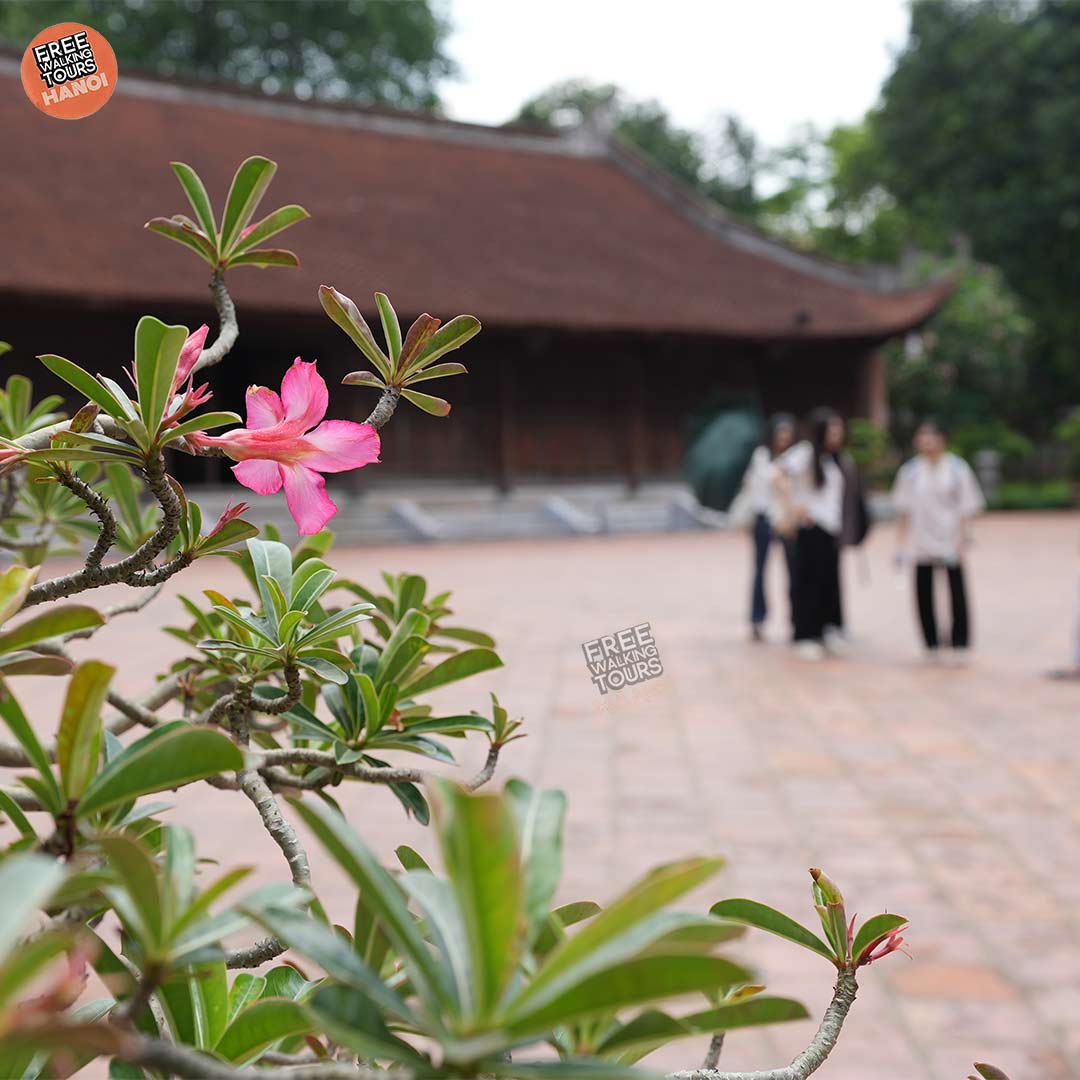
(763, 538)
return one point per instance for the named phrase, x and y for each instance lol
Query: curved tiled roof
(522, 229)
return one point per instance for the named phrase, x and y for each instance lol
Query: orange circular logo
(69, 71)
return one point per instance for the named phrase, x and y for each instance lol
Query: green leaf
(27, 880)
(15, 583)
(435, 406)
(125, 493)
(383, 897)
(439, 371)
(232, 532)
(205, 422)
(78, 742)
(362, 378)
(85, 383)
(264, 257)
(208, 985)
(351, 1020)
(20, 727)
(332, 952)
(271, 558)
(989, 1072)
(261, 1025)
(447, 338)
(627, 913)
(654, 1028)
(347, 315)
(540, 816)
(459, 666)
(391, 326)
(184, 234)
(170, 756)
(871, 932)
(246, 192)
(419, 335)
(10, 808)
(751, 913)
(479, 841)
(245, 990)
(157, 350)
(196, 193)
(137, 874)
(270, 225)
(410, 859)
(632, 982)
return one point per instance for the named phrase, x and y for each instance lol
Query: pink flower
(882, 946)
(278, 446)
(230, 513)
(189, 355)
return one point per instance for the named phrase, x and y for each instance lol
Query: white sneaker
(836, 641)
(960, 657)
(933, 656)
(809, 650)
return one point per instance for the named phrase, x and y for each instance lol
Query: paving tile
(946, 794)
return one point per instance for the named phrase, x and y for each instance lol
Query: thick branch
(168, 1058)
(92, 577)
(133, 714)
(262, 798)
(228, 328)
(98, 505)
(384, 407)
(812, 1058)
(270, 761)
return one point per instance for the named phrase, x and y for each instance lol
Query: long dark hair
(818, 427)
(776, 422)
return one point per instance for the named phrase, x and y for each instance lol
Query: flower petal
(337, 445)
(264, 408)
(305, 492)
(303, 390)
(263, 477)
(190, 353)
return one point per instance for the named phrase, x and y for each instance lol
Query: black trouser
(817, 582)
(763, 538)
(924, 594)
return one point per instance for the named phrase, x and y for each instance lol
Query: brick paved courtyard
(948, 795)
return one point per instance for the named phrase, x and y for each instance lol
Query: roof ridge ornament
(592, 137)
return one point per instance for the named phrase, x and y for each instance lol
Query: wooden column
(635, 427)
(874, 388)
(505, 424)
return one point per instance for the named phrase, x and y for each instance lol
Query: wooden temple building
(615, 302)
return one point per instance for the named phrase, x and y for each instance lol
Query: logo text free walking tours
(69, 71)
(624, 658)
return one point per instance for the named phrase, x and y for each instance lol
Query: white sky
(776, 64)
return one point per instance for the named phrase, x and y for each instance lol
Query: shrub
(292, 682)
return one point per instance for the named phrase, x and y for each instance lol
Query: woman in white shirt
(757, 484)
(810, 498)
(936, 495)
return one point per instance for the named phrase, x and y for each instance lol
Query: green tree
(969, 368)
(644, 124)
(978, 132)
(362, 50)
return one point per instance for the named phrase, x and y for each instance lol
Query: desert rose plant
(293, 681)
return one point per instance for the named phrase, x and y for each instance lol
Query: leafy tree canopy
(727, 165)
(361, 50)
(978, 132)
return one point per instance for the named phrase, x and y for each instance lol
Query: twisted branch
(812, 1058)
(125, 570)
(384, 407)
(228, 327)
